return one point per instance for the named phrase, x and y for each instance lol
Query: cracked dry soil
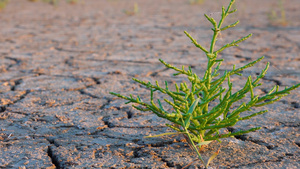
(57, 65)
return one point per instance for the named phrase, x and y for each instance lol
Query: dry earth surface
(58, 65)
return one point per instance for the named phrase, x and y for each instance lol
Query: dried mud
(57, 65)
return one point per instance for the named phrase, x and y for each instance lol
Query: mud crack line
(51, 154)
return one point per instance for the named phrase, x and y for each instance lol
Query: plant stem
(196, 149)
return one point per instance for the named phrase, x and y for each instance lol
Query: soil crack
(251, 165)
(53, 158)
(51, 154)
(88, 94)
(244, 137)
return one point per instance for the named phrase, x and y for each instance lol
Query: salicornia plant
(191, 113)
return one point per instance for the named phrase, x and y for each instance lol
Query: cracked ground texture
(57, 65)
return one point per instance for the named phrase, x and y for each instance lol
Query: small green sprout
(191, 114)
(280, 18)
(3, 3)
(134, 11)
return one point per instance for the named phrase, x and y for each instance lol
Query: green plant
(196, 1)
(3, 3)
(134, 11)
(280, 18)
(190, 112)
